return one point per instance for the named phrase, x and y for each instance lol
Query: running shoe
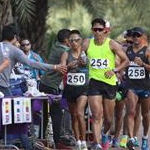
(115, 142)
(136, 142)
(123, 141)
(96, 147)
(105, 142)
(144, 144)
(78, 145)
(130, 144)
(110, 139)
(84, 146)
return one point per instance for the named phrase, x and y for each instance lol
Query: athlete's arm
(64, 58)
(117, 49)
(124, 48)
(85, 44)
(141, 63)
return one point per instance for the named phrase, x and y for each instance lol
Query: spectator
(14, 55)
(50, 83)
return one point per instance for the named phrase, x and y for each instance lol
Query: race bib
(75, 78)
(99, 63)
(136, 73)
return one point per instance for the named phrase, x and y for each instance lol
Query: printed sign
(18, 113)
(6, 111)
(27, 110)
(22, 110)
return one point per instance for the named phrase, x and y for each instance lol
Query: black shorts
(100, 88)
(71, 93)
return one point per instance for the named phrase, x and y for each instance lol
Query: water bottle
(83, 56)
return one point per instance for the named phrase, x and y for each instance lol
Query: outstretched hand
(61, 68)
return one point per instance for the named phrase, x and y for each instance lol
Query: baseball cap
(107, 24)
(138, 30)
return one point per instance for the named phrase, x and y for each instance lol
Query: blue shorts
(141, 93)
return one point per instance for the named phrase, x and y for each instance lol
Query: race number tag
(99, 63)
(136, 73)
(75, 78)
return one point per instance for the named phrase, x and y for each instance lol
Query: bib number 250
(76, 78)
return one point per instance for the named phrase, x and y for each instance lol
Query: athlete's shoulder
(85, 44)
(148, 51)
(114, 44)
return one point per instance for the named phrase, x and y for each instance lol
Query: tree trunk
(5, 14)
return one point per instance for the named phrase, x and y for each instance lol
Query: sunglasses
(27, 44)
(98, 29)
(129, 41)
(74, 40)
(136, 34)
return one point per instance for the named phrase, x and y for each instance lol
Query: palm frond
(95, 7)
(140, 9)
(65, 4)
(25, 10)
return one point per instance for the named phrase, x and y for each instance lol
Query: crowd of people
(110, 77)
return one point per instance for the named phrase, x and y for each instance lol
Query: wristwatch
(115, 70)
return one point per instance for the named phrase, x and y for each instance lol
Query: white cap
(107, 25)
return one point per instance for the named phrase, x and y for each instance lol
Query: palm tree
(30, 16)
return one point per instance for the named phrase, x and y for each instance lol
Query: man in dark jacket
(50, 83)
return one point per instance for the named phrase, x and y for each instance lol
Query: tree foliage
(38, 19)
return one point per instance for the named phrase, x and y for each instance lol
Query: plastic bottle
(83, 56)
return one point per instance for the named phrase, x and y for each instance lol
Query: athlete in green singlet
(101, 52)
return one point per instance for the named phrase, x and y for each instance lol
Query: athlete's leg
(145, 115)
(125, 126)
(108, 106)
(124, 137)
(119, 117)
(81, 102)
(146, 122)
(95, 103)
(137, 120)
(74, 120)
(131, 107)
